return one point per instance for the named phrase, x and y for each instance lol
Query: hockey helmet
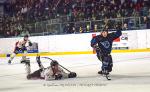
(53, 63)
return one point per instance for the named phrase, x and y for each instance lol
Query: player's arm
(116, 34)
(30, 43)
(49, 75)
(93, 42)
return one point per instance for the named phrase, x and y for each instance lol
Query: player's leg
(100, 57)
(110, 63)
(35, 75)
(105, 65)
(24, 50)
(12, 56)
(39, 62)
(27, 67)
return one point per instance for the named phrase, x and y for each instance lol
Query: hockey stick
(59, 64)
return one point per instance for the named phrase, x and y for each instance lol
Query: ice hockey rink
(131, 73)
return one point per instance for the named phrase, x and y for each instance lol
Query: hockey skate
(105, 73)
(9, 61)
(101, 72)
(27, 62)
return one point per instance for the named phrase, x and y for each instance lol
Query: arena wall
(130, 41)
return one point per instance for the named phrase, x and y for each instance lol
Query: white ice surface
(131, 73)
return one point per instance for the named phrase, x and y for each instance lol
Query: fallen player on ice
(53, 72)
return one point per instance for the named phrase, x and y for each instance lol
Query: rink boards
(77, 53)
(71, 44)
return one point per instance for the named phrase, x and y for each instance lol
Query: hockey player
(21, 46)
(103, 45)
(53, 72)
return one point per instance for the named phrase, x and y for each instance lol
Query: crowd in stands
(18, 13)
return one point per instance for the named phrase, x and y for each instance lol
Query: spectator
(130, 24)
(147, 22)
(125, 26)
(66, 28)
(95, 28)
(30, 11)
(87, 28)
(80, 30)
(144, 9)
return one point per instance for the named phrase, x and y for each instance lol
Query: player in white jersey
(21, 46)
(53, 72)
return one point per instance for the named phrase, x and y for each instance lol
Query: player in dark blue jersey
(103, 45)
